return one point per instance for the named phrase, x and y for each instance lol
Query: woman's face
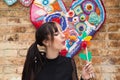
(59, 39)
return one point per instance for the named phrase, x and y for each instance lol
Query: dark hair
(34, 60)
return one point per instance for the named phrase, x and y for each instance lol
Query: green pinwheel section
(84, 57)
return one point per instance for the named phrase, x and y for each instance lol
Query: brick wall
(17, 34)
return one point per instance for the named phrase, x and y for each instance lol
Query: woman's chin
(64, 47)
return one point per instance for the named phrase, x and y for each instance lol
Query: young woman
(43, 61)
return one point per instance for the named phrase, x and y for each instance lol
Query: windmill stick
(92, 75)
(87, 54)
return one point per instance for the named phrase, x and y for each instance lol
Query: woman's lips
(63, 42)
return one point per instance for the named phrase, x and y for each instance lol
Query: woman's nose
(62, 35)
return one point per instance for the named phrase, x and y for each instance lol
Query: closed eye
(56, 33)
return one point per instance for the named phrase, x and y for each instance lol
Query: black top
(60, 68)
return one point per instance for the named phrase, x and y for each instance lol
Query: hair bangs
(52, 28)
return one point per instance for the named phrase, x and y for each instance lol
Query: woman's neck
(52, 54)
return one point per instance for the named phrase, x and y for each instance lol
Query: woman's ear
(46, 42)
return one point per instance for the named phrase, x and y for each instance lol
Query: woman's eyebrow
(60, 28)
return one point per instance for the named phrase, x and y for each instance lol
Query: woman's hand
(87, 71)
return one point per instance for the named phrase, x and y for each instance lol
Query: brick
(95, 52)
(18, 21)
(97, 69)
(10, 53)
(108, 68)
(115, 60)
(100, 36)
(117, 76)
(111, 4)
(101, 44)
(12, 77)
(3, 5)
(1, 37)
(18, 29)
(22, 53)
(4, 30)
(114, 28)
(12, 37)
(96, 60)
(1, 69)
(14, 61)
(3, 20)
(110, 60)
(15, 13)
(4, 13)
(118, 68)
(114, 44)
(104, 52)
(113, 19)
(102, 28)
(106, 61)
(23, 28)
(113, 11)
(108, 76)
(12, 45)
(1, 77)
(19, 69)
(16, 78)
(13, 21)
(114, 52)
(2, 61)
(98, 76)
(30, 29)
(9, 69)
(27, 37)
(25, 20)
(1, 53)
(114, 36)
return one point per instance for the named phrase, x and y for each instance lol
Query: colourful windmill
(84, 44)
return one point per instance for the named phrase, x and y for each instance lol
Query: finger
(93, 75)
(89, 63)
(90, 75)
(88, 66)
(89, 69)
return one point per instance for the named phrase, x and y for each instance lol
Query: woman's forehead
(59, 26)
